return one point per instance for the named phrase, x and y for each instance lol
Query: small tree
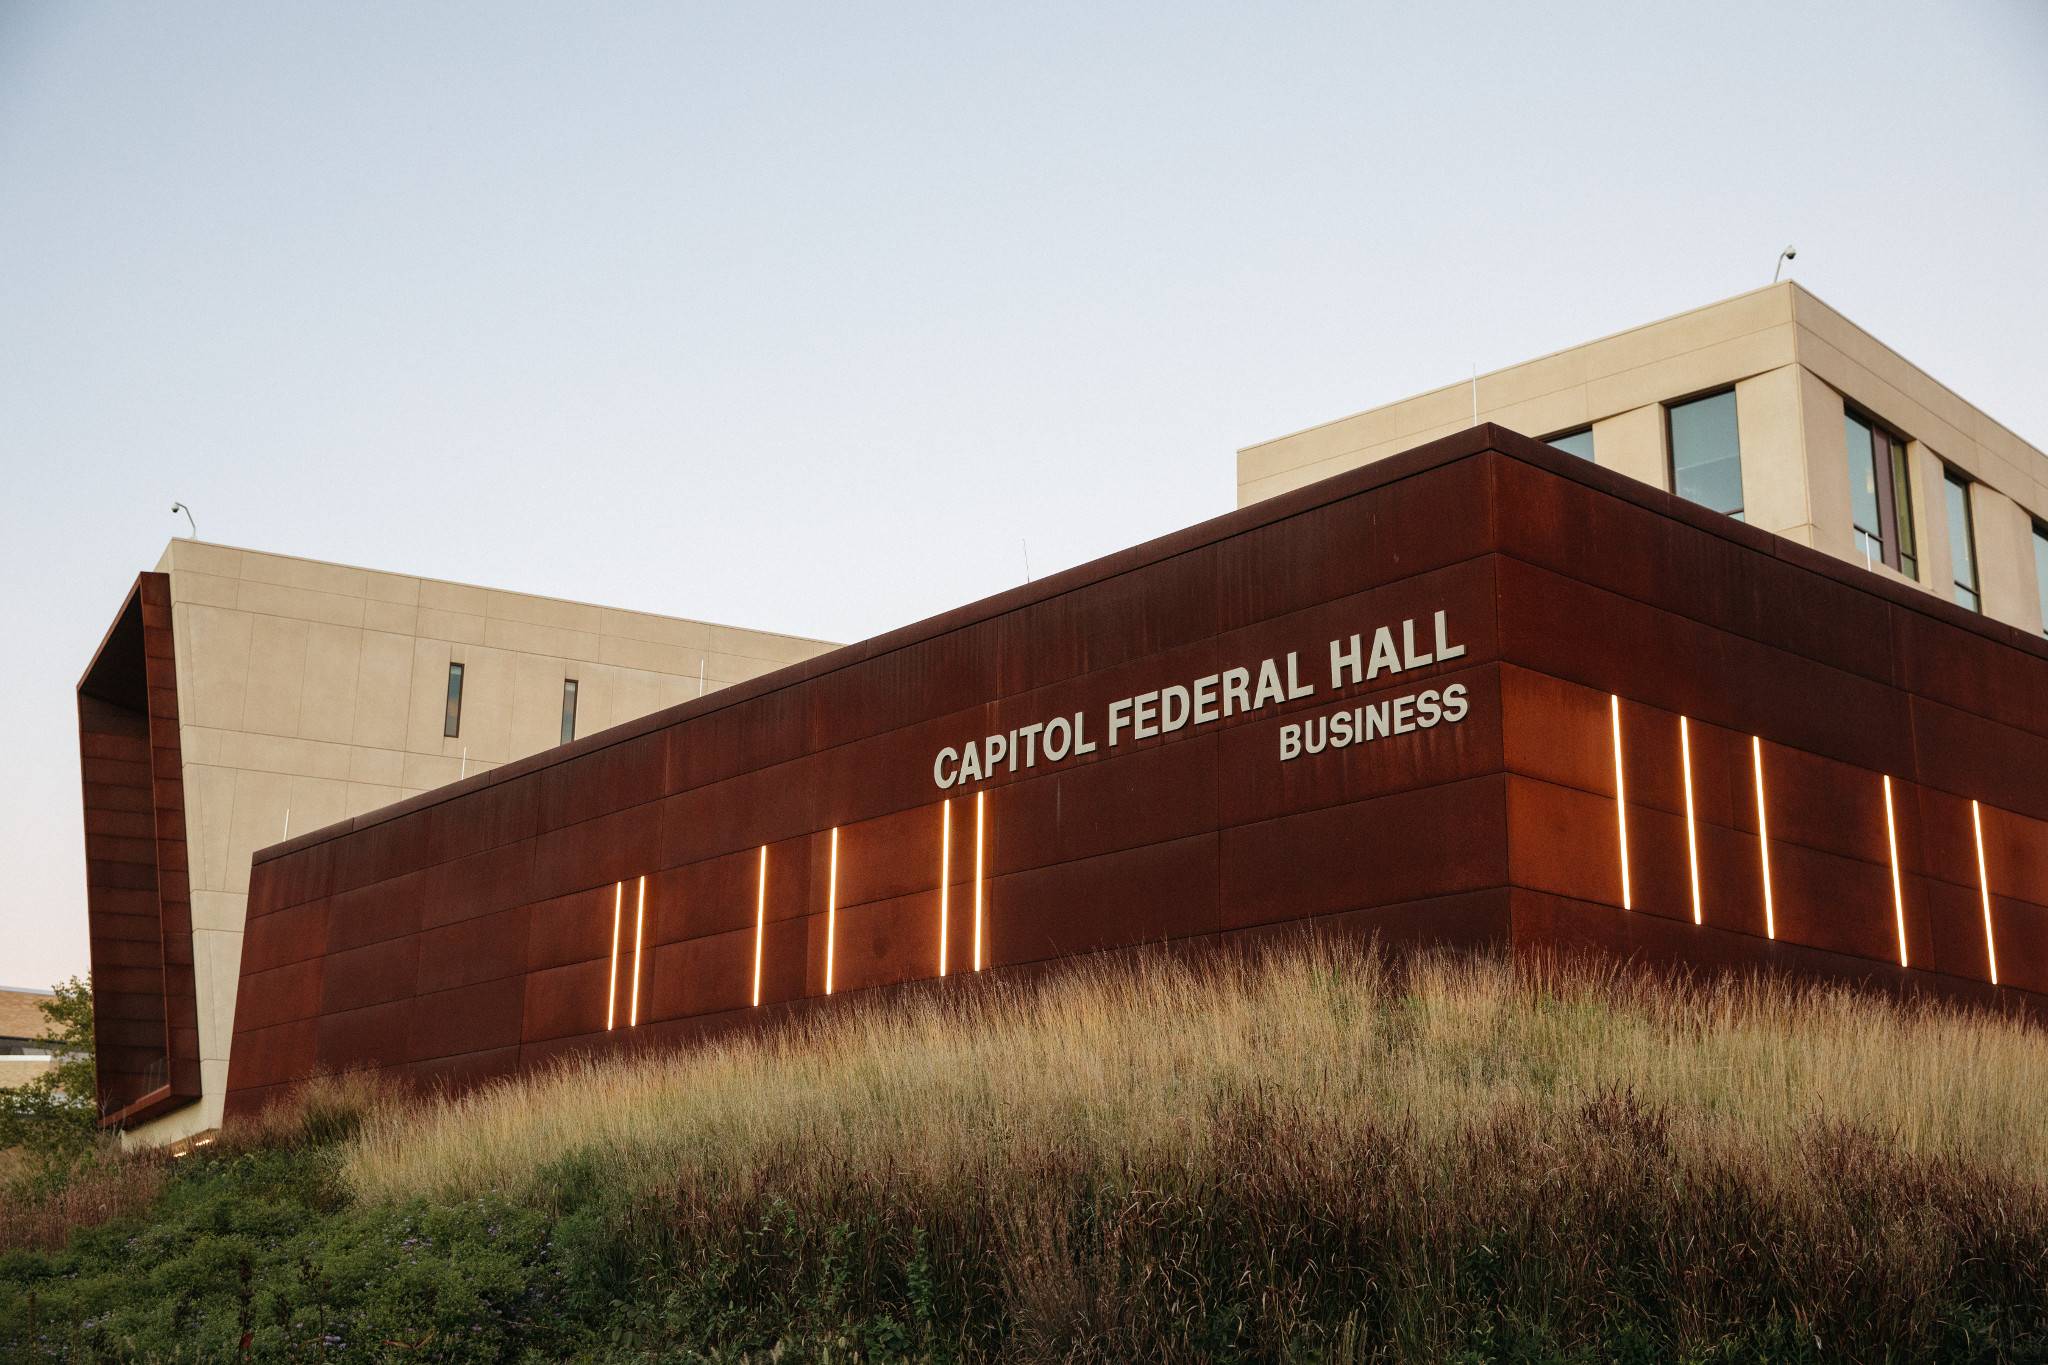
(56, 1115)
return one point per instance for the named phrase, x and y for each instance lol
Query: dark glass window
(452, 725)
(1706, 453)
(2041, 570)
(568, 710)
(1962, 542)
(1880, 495)
(1579, 443)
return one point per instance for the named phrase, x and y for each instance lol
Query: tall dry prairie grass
(1301, 1155)
(1142, 1064)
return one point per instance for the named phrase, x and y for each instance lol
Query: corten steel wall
(494, 925)
(138, 906)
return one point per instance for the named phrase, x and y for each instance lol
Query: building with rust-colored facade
(241, 697)
(1741, 665)
(1483, 693)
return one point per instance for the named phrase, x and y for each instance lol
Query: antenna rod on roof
(1475, 395)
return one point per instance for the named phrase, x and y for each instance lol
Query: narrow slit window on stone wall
(451, 726)
(1962, 541)
(1706, 452)
(568, 710)
(1579, 443)
(1880, 495)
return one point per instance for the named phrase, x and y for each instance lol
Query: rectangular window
(1706, 453)
(1579, 443)
(1962, 541)
(568, 710)
(1880, 495)
(2041, 570)
(451, 726)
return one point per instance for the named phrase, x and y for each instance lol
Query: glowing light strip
(1763, 837)
(945, 875)
(639, 931)
(980, 802)
(832, 910)
(1692, 842)
(1620, 799)
(1984, 890)
(760, 922)
(611, 1000)
(1891, 835)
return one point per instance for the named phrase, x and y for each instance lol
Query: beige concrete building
(1770, 406)
(22, 1058)
(307, 693)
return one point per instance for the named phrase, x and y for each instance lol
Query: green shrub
(261, 1255)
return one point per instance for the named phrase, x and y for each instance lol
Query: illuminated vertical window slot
(1620, 799)
(1763, 836)
(980, 828)
(639, 932)
(832, 910)
(1891, 838)
(945, 876)
(611, 999)
(1692, 841)
(1984, 891)
(760, 921)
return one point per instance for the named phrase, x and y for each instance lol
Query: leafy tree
(56, 1115)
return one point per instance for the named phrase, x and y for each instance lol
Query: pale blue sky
(804, 316)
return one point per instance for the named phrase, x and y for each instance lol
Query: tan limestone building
(300, 694)
(22, 1022)
(1770, 406)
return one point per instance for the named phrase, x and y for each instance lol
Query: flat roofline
(1794, 286)
(1471, 443)
(482, 587)
(1503, 369)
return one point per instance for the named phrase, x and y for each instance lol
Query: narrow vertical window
(568, 710)
(2041, 571)
(451, 725)
(1706, 452)
(1579, 443)
(1962, 542)
(1880, 495)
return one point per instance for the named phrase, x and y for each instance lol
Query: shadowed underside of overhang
(138, 902)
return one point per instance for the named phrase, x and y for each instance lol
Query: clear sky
(806, 317)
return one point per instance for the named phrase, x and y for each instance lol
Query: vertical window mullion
(1962, 547)
(1879, 456)
(1905, 526)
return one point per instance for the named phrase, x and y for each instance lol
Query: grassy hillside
(1302, 1157)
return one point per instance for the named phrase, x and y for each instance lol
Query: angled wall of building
(310, 692)
(1482, 693)
(138, 902)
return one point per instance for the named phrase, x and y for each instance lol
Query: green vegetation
(1304, 1156)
